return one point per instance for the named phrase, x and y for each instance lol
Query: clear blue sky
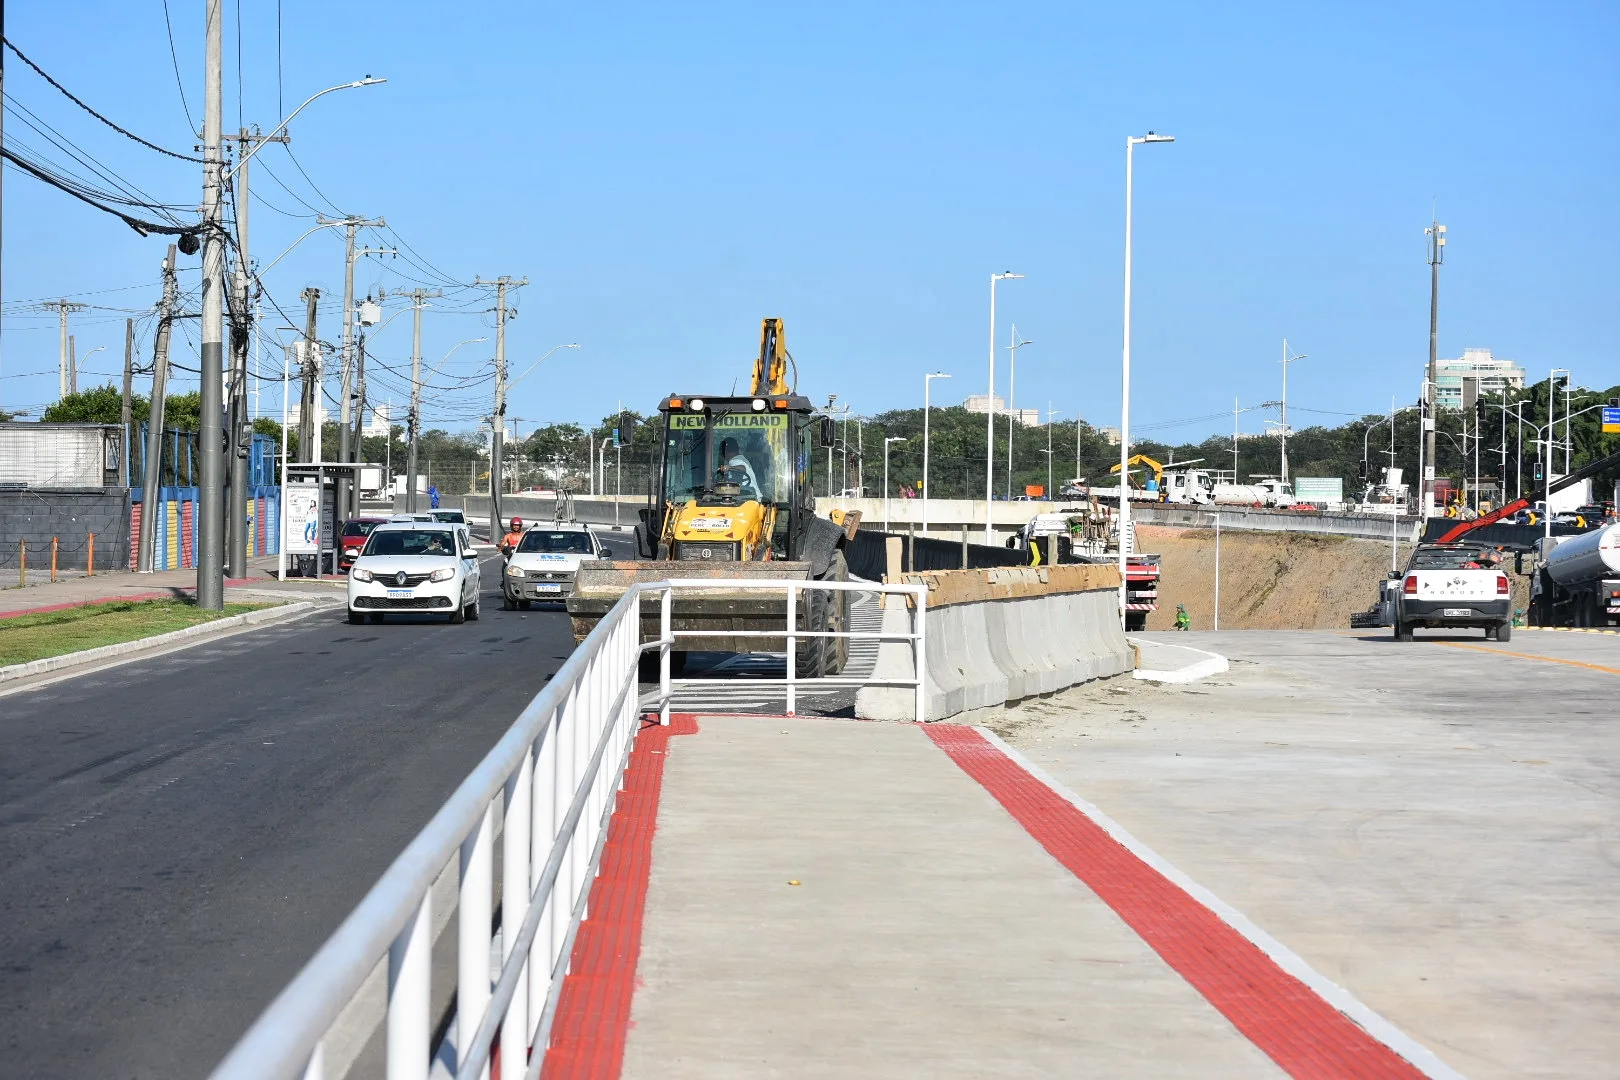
(667, 174)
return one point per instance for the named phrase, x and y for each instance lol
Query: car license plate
(548, 588)
(400, 594)
(1457, 612)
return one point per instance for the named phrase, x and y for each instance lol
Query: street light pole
(211, 497)
(886, 442)
(1013, 345)
(927, 380)
(1436, 233)
(1282, 429)
(990, 407)
(1125, 371)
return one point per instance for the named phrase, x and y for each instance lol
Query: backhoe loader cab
(735, 479)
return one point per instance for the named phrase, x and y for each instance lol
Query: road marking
(1530, 656)
(1309, 1026)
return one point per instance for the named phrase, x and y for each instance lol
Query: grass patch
(53, 633)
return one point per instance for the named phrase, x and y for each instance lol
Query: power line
(70, 96)
(140, 226)
(175, 57)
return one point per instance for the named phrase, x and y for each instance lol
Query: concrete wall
(35, 515)
(998, 636)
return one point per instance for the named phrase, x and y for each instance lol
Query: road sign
(1323, 489)
(1611, 421)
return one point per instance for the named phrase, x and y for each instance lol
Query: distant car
(353, 538)
(544, 563)
(407, 518)
(409, 566)
(453, 516)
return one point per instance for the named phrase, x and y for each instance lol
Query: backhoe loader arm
(770, 370)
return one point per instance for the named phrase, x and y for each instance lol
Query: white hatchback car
(412, 566)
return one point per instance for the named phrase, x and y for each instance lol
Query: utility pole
(419, 298)
(309, 407)
(73, 365)
(66, 361)
(153, 467)
(1287, 358)
(211, 505)
(497, 437)
(350, 224)
(1436, 233)
(123, 406)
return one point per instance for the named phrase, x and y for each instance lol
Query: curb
(280, 613)
(1212, 664)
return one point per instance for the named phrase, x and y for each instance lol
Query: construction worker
(509, 542)
(736, 468)
(1183, 620)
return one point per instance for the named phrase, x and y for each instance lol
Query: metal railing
(668, 636)
(550, 784)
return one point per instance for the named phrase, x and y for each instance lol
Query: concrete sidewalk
(123, 585)
(839, 899)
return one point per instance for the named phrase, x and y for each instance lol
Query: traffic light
(1539, 476)
(1361, 469)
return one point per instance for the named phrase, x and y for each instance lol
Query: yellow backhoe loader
(733, 499)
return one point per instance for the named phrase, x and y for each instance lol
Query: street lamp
(102, 348)
(927, 380)
(245, 158)
(1569, 441)
(1051, 414)
(1014, 344)
(537, 363)
(886, 442)
(1125, 367)
(990, 405)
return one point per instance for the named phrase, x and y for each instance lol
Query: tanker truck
(1578, 583)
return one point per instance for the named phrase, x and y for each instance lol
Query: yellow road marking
(1529, 656)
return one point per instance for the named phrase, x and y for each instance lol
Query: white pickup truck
(1452, 585)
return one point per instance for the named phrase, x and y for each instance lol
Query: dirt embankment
(1269, 581)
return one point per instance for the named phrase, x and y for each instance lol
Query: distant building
(1111, 434)
(295, 412)
(1457, 382)
(377, 427)
(983, 403)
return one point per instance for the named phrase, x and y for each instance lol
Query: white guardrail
(552, 780)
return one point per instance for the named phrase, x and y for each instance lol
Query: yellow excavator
(1158, 472)
(733, 499)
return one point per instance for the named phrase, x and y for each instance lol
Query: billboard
(302, 514)
(1318, 489)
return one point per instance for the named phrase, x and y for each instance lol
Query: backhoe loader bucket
(599, 585)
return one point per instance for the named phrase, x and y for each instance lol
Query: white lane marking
(1347, 1003)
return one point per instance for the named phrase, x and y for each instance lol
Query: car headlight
(514, 571)
(360, 575)
(442, 575)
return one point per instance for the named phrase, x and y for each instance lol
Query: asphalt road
(180, 834)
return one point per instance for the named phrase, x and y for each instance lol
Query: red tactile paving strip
(593, 1011)
(1282, 1016)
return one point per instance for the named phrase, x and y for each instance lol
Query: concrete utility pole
(66, 360)
(1436, 233)
(123, 406)
(346, 357)
(211, 504)
(990, 412)
(419, 299)
(309, 407)
(1282, 429)
(153, 467)
(498, 435)
(73, 365)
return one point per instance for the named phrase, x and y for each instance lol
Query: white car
(543, 566)
(411, 566)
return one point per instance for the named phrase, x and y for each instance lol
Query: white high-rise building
(1487, 374)
(983, 403)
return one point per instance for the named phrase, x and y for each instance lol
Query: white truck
(1579, 582)
(1447, 586)
(1386, 497)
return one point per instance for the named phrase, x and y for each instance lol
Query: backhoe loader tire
(810, 654)
(838, 617)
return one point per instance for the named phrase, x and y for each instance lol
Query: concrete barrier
(999, 636)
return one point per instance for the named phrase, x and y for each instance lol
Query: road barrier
(998, 636)
(547, 789)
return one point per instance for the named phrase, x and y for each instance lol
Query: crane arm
(1589, 469)
(770, 369)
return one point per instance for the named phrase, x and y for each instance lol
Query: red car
(355, 531)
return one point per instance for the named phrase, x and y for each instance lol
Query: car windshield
(748, 449)
(412, 542)
(358, 528)
(1454, 558)
(556, 543)
(450, 515)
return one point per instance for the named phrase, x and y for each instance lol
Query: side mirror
(829, 432)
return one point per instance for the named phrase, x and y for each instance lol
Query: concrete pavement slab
(1432, 825)
(838, 899)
